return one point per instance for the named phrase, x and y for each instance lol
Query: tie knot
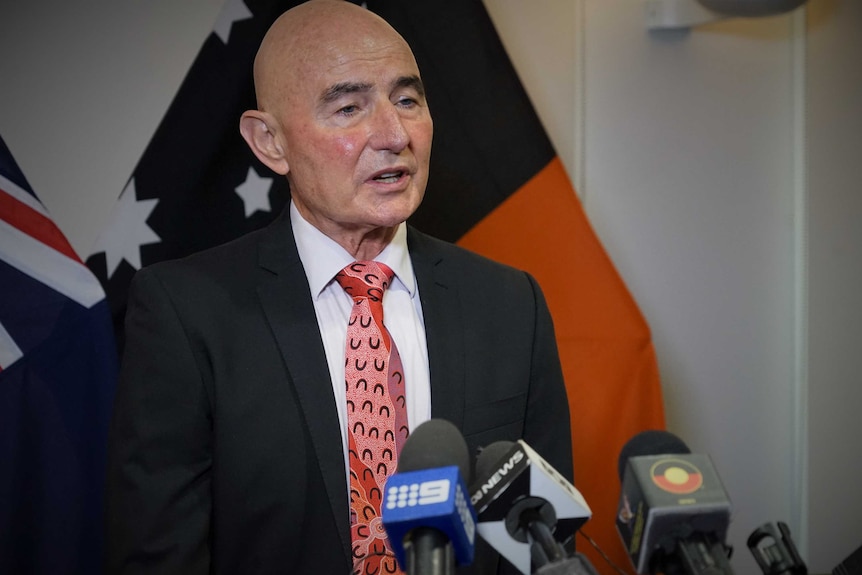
(368, 279)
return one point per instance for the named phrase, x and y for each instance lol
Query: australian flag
(58, 368)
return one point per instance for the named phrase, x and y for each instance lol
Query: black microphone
(673, 512)
(774, 550)
(426, 512)
(850, 566)
(527, 509)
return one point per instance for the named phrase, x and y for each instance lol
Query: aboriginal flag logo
(676, 476)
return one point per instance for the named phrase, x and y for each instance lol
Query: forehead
(321, 44)
(375, 61)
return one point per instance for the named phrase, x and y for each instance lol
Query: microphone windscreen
(650, 442)
(489, 456)
(435, 443)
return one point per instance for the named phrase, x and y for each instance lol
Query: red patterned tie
(376, 413)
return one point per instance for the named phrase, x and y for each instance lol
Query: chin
(390, 215)
(389, 222)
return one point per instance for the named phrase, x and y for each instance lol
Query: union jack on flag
(58, 369)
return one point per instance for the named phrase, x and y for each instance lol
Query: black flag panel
(197, 160)
(488, 141)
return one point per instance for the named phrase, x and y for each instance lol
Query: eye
(406, 102)
(348, 110)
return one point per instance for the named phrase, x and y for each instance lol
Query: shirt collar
(322, 257)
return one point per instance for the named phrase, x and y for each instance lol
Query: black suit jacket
(225, 452)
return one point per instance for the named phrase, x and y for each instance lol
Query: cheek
(322, 147)
(346, 147)
(421, 136)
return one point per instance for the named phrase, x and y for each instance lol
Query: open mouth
(389, 177)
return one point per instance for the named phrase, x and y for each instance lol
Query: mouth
(389, 176)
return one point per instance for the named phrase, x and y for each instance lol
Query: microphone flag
(666, 498)
(522, 473)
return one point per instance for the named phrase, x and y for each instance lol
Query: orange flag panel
(605, 346)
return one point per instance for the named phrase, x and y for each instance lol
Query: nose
(388, 129)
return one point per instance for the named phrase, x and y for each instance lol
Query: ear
(259, 130)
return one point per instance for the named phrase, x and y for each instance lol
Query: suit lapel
(444, 327)
(288, 308)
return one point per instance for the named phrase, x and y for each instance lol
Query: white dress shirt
(322, 258)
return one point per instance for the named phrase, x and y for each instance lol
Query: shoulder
(229, 264)
(453, 260)
(214, 283)
(439, 251)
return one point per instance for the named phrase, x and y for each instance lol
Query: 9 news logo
(425, 493)
(430, 493)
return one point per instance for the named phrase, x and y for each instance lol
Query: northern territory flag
(498, 188)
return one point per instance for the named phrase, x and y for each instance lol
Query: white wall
(84, 87)
(835, 278)
(688, 179)
(689, 183)
(686, 149)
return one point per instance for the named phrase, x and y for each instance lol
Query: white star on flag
(233, 11)
(254, 192)
(127, 230)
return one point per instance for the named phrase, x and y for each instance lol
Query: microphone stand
(775, 552)
(552, 557)
(429, 552)
(575, 565)
(704, 558)
(698, 554)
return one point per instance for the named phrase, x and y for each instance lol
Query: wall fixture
(682, 14)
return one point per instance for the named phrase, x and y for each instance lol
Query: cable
(604, 555)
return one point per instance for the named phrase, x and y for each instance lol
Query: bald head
(311, 38)
(342, 114)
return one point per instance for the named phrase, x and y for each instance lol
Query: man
(233, 441)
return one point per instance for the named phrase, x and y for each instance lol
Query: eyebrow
(412, 81)
(334, 92)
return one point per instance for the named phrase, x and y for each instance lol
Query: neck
(366, 246)
(362, 242)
